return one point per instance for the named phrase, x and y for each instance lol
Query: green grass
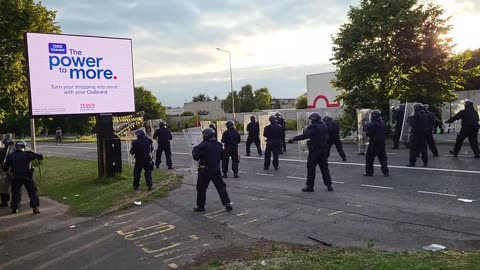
(65, 139)
(76, 183)
(350, 259)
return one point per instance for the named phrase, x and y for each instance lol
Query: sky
(273, 43)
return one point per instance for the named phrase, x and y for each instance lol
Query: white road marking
(338, 182)
(244, 223)
(436, 193)
(335, 213)
(465, 200)
(304, 161)
(294, 177)
(372, 186)
(264, 174)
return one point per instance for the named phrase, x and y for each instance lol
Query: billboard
(320, 92)
(79, 74)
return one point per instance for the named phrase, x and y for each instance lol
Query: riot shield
(129, 137)
(246, 121)
(302, 123)
(193, 137)
(153, 125)
(263, 122)
(406, 129)
(221, 127)
(393, 105)
(205, 124)
(363, 116)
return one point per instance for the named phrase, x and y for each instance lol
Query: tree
(227, 103)
(263, 99)
(247, 98)
(201, 98)
(16, 18)
(394, 49)
(301, 103)
(145, 101)
(215, 98)
(472, 68)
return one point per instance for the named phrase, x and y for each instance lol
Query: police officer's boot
(199, 209)
(425, 164)
(36, 211)
(14, 211)
(453, 153)
(235, 175)
(329, 188)
(224, 175)
(476, 156)
(228, 207)
(248, 154)
(308, 189)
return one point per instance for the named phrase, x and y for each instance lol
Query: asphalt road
(413, 208)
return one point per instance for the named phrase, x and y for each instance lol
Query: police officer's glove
(290, 141)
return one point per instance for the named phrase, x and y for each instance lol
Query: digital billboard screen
(71, 75)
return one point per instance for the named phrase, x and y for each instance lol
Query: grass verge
(76, 184)
(287, 256)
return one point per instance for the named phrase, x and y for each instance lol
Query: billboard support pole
(32, 135)
(108, 148)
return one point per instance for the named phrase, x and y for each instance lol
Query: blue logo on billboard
(59, 48)
(76, 64)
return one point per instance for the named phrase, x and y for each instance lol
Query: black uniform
(253, 129)
(398, 118)
(209, 154)
(4, 197)
(142, 149)
(163, 137)
(18, 163)
(430, 140)
(317, 152)
(420, 123)
(281, 123)
(230, 140)
(469, 117)
(273, 135)
(334, 138)
(377, 132)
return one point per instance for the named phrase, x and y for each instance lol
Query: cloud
(273, 43)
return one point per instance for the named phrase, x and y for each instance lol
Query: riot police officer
(398, 118)
(253, 129)
(273, 135)
(377, 132)
(317, 132)
(18, 164)
(334, 137)
(230, 140)
(281, 123)
(214, 128)
(142, 149)
(469, 117)
(163, 137)
(209, 153)
(420, 123)
(431, 124)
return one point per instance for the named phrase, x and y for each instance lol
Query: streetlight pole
(231, 81)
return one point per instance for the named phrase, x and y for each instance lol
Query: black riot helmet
(230, 124)
(375, 115)
(418, 107)
(426, 107)
(208, 134)
(468, 103)
(327, 119)
(162, 124)
(253, 118)
(272, 119)
(402, 106)
(315, 117)
(212, 126)
(278, 115)
(21, 145)
(140, 133)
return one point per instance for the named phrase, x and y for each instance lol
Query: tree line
(391, 49)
